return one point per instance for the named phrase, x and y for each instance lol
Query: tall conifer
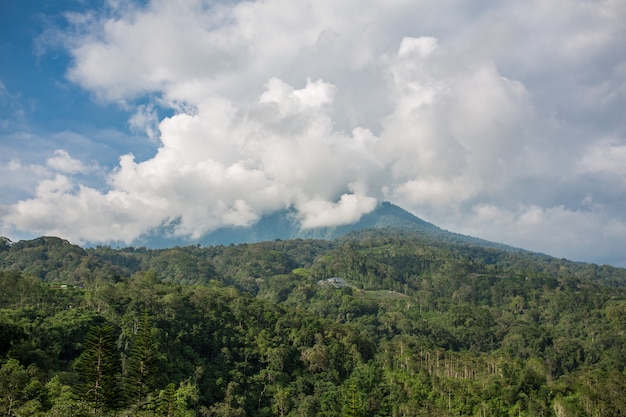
(142, 363)
(99, 368)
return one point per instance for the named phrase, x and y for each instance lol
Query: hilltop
(285, 225)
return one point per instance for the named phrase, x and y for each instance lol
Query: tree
(230, 407)
(353, 403)
(63, 402)
(142, 369)
(21, 392)
(13, 380)
(99, 368)
(173, 402)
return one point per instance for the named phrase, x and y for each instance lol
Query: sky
(504, 120)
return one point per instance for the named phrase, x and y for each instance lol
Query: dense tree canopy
(423, 327)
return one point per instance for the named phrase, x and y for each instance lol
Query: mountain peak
(285, 225)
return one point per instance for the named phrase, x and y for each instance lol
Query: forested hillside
(424, 327)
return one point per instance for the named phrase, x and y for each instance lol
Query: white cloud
(220, 166)
(290, 101)
(437, 192)
(18, 180)
(96, 217)
(349, 209)
(64, 163)
(145, 120)
(606, 157)
(488, 114)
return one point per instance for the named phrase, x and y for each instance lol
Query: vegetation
(427, 327)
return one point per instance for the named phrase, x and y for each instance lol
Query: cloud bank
(503, 120)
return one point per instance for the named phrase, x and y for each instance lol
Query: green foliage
(13, 381)
(426, 327)
(142, 364)
(99, 368)
(352, 402)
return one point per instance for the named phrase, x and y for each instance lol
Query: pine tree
(142, 363)
(353, 404)
(99, 368)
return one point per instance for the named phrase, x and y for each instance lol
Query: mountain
(285, 225)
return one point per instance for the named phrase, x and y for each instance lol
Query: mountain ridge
(285, 225)
(398, 239)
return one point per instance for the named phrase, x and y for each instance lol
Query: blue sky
(37, 99)
(503, 120)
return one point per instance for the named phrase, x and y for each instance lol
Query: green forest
(375, 323)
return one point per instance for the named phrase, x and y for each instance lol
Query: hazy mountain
(285, 225)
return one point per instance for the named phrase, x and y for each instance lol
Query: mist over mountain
(285, 225)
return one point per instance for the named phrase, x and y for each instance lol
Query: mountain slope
(285, 225)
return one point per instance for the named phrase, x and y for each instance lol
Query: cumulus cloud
(97, 217)
(483, 114)
(29, 176)
(608, 157)
(349, 209)
(64, 163)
